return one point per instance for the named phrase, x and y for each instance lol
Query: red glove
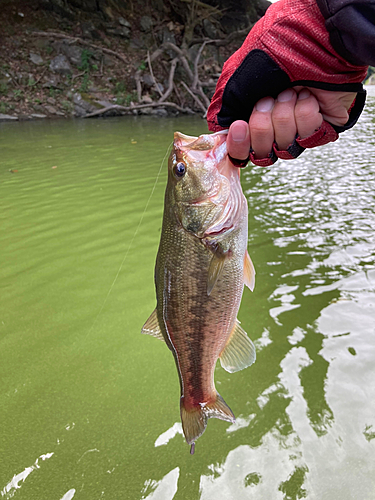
(289, 46)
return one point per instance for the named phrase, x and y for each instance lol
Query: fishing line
(133, 238)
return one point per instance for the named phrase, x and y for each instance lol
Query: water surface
(90, 408)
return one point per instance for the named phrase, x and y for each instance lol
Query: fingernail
(286, 95)
(239, 132)
(265, 104)
(304, 94)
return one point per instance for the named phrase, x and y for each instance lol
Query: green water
(90, 408)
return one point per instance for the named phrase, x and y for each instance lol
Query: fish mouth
(199, 143)
(213, 145)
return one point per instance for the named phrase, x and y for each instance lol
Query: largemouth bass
(201, 268)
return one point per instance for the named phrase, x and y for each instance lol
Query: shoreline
(159, 111)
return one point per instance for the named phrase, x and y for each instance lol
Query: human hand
(289, 46)
(299, 111)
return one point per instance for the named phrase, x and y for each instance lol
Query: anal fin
(239, 352)
(152, 327)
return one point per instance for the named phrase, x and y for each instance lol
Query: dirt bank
(57, 65)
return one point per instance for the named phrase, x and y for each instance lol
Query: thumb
(238, 140)
(334, 106)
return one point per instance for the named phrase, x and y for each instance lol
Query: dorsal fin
(239, 351)
(152, 327)
(248, 272)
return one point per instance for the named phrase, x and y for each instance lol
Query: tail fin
(194, 421)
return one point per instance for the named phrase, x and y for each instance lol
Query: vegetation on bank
(63, 58)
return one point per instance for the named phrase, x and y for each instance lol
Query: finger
(261, 128)
(307, 115)
(283, 120)
(337, 120)
(238, 140)
(334, 106)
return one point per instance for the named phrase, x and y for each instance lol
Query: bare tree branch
(170, 80)
(196, 99)
(74, 39)
(137, 78)
(41, 76)
(194, 89)
(78, 75)
(196, 77)
(139, 106)
(178, 95)
(181, 55)
(152, 75)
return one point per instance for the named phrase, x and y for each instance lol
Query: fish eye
(179, 169)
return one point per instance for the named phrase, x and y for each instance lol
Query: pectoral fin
(152, 327)
(239, 352)
(249, 272)
(214, 272)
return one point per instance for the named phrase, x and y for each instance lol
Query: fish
(201, 268)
